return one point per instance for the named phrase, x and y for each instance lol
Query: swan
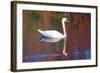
(54, 35)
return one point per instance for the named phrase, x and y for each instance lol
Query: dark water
(42, 57)
(78, 44)
(36, 51)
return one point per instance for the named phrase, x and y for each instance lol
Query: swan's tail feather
(42, 32)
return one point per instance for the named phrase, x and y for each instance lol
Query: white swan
(55, 36)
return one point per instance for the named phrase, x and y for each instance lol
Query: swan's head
(65, 19)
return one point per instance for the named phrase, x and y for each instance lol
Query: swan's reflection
(50, 40)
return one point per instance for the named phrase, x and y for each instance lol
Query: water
(37, 51)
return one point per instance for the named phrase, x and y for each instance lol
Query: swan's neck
(64, 28)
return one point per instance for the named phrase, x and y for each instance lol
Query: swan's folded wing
(51, 33)
(54, 34)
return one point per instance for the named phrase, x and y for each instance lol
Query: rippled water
(36, 51)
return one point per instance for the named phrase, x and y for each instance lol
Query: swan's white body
(51, 35)
(55, 36)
